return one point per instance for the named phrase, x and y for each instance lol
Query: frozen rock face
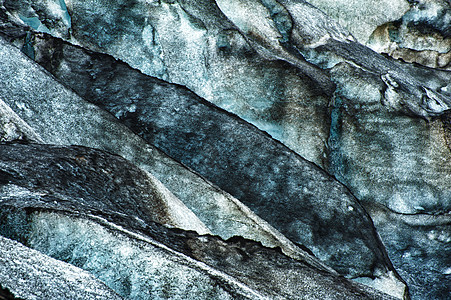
(401, 162)
(142, 260)
(325, 44)
(219, 64)
(400, 89)
(98, 181)
(28, 274)
(277, 184)
(223, 214)
(348, 109)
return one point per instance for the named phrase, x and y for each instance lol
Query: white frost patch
(407, 255)
(58, 10)
(23, 107)
(46, 278)
(399, 204)
(148, 36)
(132, 108)
(240, 13)
(11, 190)
(321, 42)
(186, 28)
(432, 235)
(434, 102)
(431, 12)
(180, 215)
(251, 17)
(13, 127)
(183, 46)
(387, 283)
(125, 251)
(195, 38)
(391, 96)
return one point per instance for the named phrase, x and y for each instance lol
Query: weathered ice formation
(135, 257)
(295, 124)
(351, 236)
(223, 214)
(422, 35)
(217, 145)
(215, 62)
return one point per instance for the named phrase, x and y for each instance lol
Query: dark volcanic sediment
(134, 256)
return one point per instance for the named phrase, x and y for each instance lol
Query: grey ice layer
(419, 247)
(45, 104)
(29, 274)
(407, 161)
(292, 194)
(139, 267)
(129, 264)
